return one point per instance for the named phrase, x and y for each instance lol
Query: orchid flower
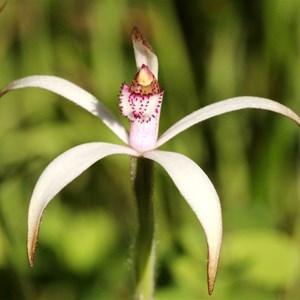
(141, 103)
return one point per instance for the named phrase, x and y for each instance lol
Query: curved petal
(222, 107)
(73, 93)
(143, 52)
(200, 194)
(60, 172)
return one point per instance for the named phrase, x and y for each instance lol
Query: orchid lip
(141, 102)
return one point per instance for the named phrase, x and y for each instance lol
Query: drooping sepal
(59, 173)
(200, 194)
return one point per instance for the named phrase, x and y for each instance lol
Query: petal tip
(32, 243)
(143, 52)
(3, 92)
(212, 268)
(31, 261)
(138, 38)
(211, 285)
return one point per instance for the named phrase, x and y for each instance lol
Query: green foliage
(208, 51)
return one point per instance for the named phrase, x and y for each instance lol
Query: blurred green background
(208, 51)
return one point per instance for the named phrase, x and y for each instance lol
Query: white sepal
(75, 94)
(200, 194)
(223, 107)
(59, 173)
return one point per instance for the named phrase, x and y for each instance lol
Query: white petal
(222, 107)
(75, 94)
(58, 174)
(200, 194)
(143, 53)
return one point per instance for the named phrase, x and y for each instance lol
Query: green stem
(144, 259)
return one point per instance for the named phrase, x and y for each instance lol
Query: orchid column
(140, 103)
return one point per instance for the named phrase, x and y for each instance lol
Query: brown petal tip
(2, 93)
(212, 268)
(31, 245)
(138, 38)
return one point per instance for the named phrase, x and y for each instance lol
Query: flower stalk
(144, 251)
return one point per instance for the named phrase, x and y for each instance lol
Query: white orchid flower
(141, 103)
